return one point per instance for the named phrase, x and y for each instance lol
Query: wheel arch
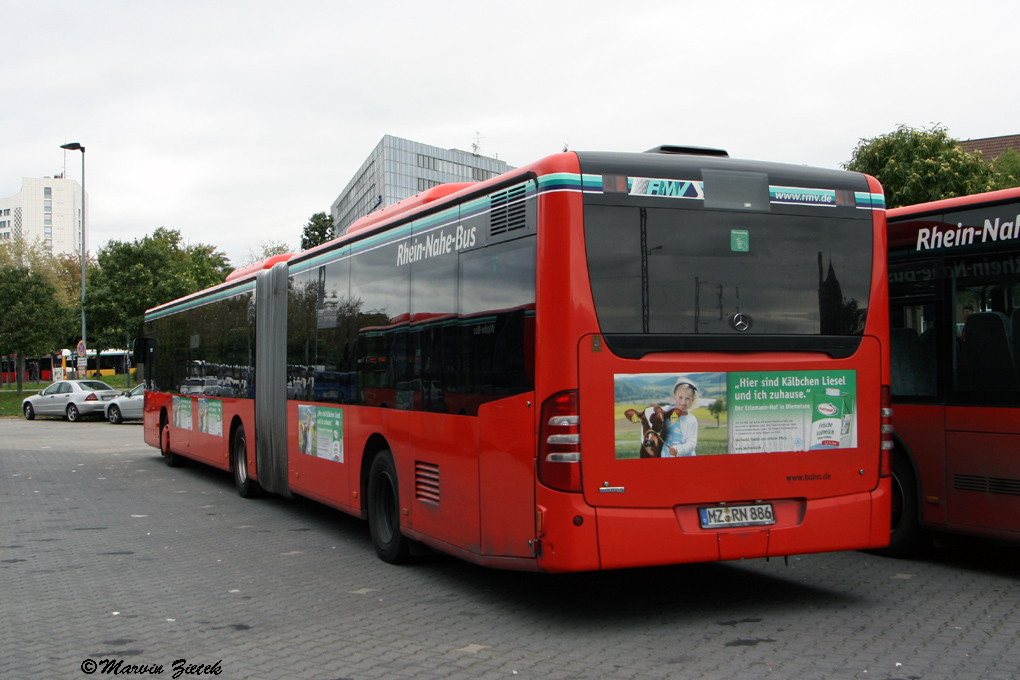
(375, 444)
(903, 448)
(235, 424)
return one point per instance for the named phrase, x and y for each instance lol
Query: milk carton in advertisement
(832, 420)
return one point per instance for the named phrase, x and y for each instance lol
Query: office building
(398, 169)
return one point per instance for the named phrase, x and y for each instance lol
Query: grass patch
(10, 402)
(712, 436)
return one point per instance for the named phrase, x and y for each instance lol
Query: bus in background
(954, 304)
(109, 362)
(41, 369)
(37, 369)
(595, 361)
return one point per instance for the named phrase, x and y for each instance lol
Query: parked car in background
(127, 406)
(71, 399)
(206, 387)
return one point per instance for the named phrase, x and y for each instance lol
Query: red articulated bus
(954, 287)
(599, 360)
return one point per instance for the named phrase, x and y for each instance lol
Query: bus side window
(1013, 300)
(912, 348)
(987, 349)
(987, 324)
(1014, 333)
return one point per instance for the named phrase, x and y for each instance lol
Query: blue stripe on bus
(174, 307)
(869, 201)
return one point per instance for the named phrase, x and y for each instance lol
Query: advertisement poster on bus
(321, 432)
(680, 415)
(181, 412)
(210, 416)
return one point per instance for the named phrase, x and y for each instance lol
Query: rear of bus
(712, 360)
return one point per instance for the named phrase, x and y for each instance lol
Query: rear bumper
(87, 408)
(629, 537)
(669, 536)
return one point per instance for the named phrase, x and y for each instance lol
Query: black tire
(384, 511)
(172, 459)
(29, 412)
(73, 414)
(905, 538)
(113, 415)
(245, 485)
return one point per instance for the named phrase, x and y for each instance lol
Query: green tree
(68, 271)
(134, 276)
(318, 230)
(921, 165)
(34, 306)
(1007, 169)
(718, 408)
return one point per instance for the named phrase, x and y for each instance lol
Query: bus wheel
(29, 412)
(905, 530)
(384, 511)
(172, 459)
(246, 486)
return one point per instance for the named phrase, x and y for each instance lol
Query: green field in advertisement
(680, 415)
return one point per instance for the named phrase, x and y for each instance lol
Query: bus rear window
(680, 271)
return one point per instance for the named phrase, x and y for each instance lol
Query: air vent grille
(426, 482)
(970, 483)
(999, 485)
(508, 211)
(1010, 487)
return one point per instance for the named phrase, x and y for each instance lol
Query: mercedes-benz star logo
(740, 321)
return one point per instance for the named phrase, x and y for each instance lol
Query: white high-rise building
(47, 209)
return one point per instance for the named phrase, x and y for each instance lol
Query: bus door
(506, 475)
(983, 429)
(922, 344)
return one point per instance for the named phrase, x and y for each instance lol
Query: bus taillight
(885, 463)
(559, 456)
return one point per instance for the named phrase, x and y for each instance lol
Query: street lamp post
(75, 146)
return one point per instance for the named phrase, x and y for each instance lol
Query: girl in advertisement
(680, 438)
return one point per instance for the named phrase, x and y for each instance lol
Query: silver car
(128, 406)
(71, 399)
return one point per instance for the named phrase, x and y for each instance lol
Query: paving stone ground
(108, 556)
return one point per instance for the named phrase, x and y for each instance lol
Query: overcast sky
(235, 121)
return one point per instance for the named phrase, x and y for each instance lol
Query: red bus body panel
(318, 478)
(923, 427)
